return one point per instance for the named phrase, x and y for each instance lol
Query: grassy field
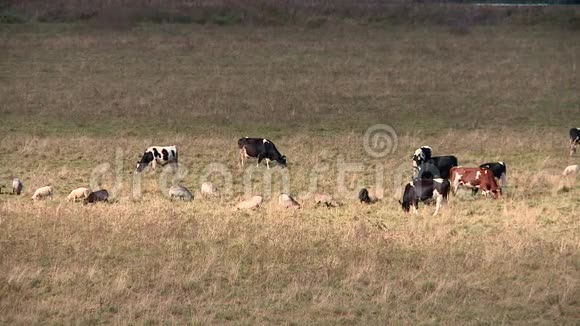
(75, 98)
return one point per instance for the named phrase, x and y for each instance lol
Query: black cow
(426, 166)
(574, 139)
(422, 190)
(499, 171)
(96, 196)
(435, 167)
(260, 148)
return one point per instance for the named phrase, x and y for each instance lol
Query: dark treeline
(312, 13)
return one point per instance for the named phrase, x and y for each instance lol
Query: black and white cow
(426, 166)
(260, 148)
(422, 154)
(154, 155)
(574, 139)
(423, 190)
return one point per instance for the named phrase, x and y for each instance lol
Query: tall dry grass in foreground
(150, 261)
(75, 99)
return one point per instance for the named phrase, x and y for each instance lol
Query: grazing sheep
(96, 196)
(43, 192)
(17, 186)
(251, 203)
(179, 192)
(324, 199)
(79, 193)
(366, 197)
(208, 189)
(571, 170)
(287, 201)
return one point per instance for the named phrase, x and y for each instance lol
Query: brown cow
(479, 178)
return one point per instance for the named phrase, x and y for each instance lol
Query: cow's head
(418, 157)
(282, 161)
(421, 155)
(405, 205)
(494, 193)
(145, 160)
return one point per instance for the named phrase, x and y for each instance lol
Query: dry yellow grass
(73, 100)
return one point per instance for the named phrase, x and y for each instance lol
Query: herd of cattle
(434, 177)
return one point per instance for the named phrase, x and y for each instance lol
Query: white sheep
(179, 192)
(17, 186)
(208, 189)
(42, 192)
(571, 170)
(79, 193)
(325, 199)
(287, 201)
(251, 203)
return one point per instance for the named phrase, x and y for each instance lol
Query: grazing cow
(481, 178)
(571, 170)
(574, 139)
(79, 193)
(423, 190)
(287, 201)
(499, 171)
(154, 155)
(17, 186)
(97, 196)
(260, 148)
(42, 193)
(179, 192)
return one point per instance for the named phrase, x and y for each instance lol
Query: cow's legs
(415, 210)
(268, 163)
(439, 203)
(154, 164)
(242, 156)
(455, 187)
(260, 158)
(456, 182)
(503, 182)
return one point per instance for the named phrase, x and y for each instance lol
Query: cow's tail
(241, 143)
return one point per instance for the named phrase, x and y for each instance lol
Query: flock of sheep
(84, 194)
(208, 190)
